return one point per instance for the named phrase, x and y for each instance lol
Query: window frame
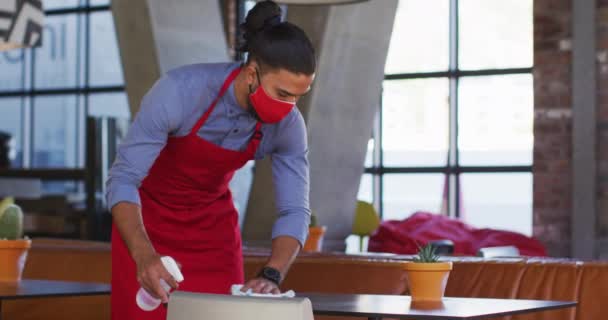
(453, 168)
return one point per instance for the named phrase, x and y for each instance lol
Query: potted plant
(314, 242)
(13, 247)
(427, 276)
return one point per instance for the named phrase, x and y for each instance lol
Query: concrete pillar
(352, 44)
(155, 36)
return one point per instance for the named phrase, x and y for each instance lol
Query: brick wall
(553, 124)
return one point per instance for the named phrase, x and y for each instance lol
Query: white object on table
(236, 291)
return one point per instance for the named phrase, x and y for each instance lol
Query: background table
(393, 306)
(28, 289)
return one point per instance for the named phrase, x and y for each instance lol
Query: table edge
(560, 304)
(99, 292)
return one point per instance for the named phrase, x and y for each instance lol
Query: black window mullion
(87, 45)
(457, 73)
(79, 19)
(83, 9)
(31, 110)
(449, 169)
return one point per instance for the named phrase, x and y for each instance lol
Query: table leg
(0, 309)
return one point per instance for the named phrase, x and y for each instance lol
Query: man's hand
(284, 251)
(150, 270)
(261, 285)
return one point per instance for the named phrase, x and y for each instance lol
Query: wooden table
(378, 306)
(28, 289)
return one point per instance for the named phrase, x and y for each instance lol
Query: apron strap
(223, 90)
(255, 141)
(257, 135)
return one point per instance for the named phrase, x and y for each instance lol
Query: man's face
(281, 84)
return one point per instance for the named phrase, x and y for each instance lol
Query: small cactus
(313, 220)
(11, 223)
(427, 254)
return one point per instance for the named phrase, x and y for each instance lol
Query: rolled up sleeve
(291, 179)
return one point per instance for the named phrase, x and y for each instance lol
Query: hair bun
(264, 14)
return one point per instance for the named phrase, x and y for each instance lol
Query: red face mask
(268, 109)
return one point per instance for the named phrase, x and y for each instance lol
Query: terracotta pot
(427, 281)
(13, 254)
(314, 242)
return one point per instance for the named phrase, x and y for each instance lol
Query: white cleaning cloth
(236, 291)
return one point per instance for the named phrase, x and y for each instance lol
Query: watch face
(272, 273)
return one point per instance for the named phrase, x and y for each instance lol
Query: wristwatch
(271, 274)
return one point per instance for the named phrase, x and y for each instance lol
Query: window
(12, 64)
(494, 130)
(454, 134)
(104, 56)
(498, 200)
(10, 123)
(415, 122)
(55, 132)
(403, 194)
(56, 63)
(47, 93)
(426, 25)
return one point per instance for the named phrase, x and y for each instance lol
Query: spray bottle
(146, 301)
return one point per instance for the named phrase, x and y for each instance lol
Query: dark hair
(274, 43)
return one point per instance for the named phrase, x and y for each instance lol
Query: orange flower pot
(314, 242)
(13, 254)
(427, 281)
(427, 305)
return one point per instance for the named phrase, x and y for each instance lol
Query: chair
(198, 306)
(366, 221)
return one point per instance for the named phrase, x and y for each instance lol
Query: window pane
(249, 4)
(366, 188)
(420, 38)
(495, 120)
(56, 61)
(10, 123)
(11, 70)
(495, 34)
(55, 132)
(369, 155)
(111, 105)
(498, 200)
(58, 4)
(404, 194)
(415, 126)
(99, 2)
(105, 66)
(63, 188)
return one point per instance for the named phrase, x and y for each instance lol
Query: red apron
(189, 214)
